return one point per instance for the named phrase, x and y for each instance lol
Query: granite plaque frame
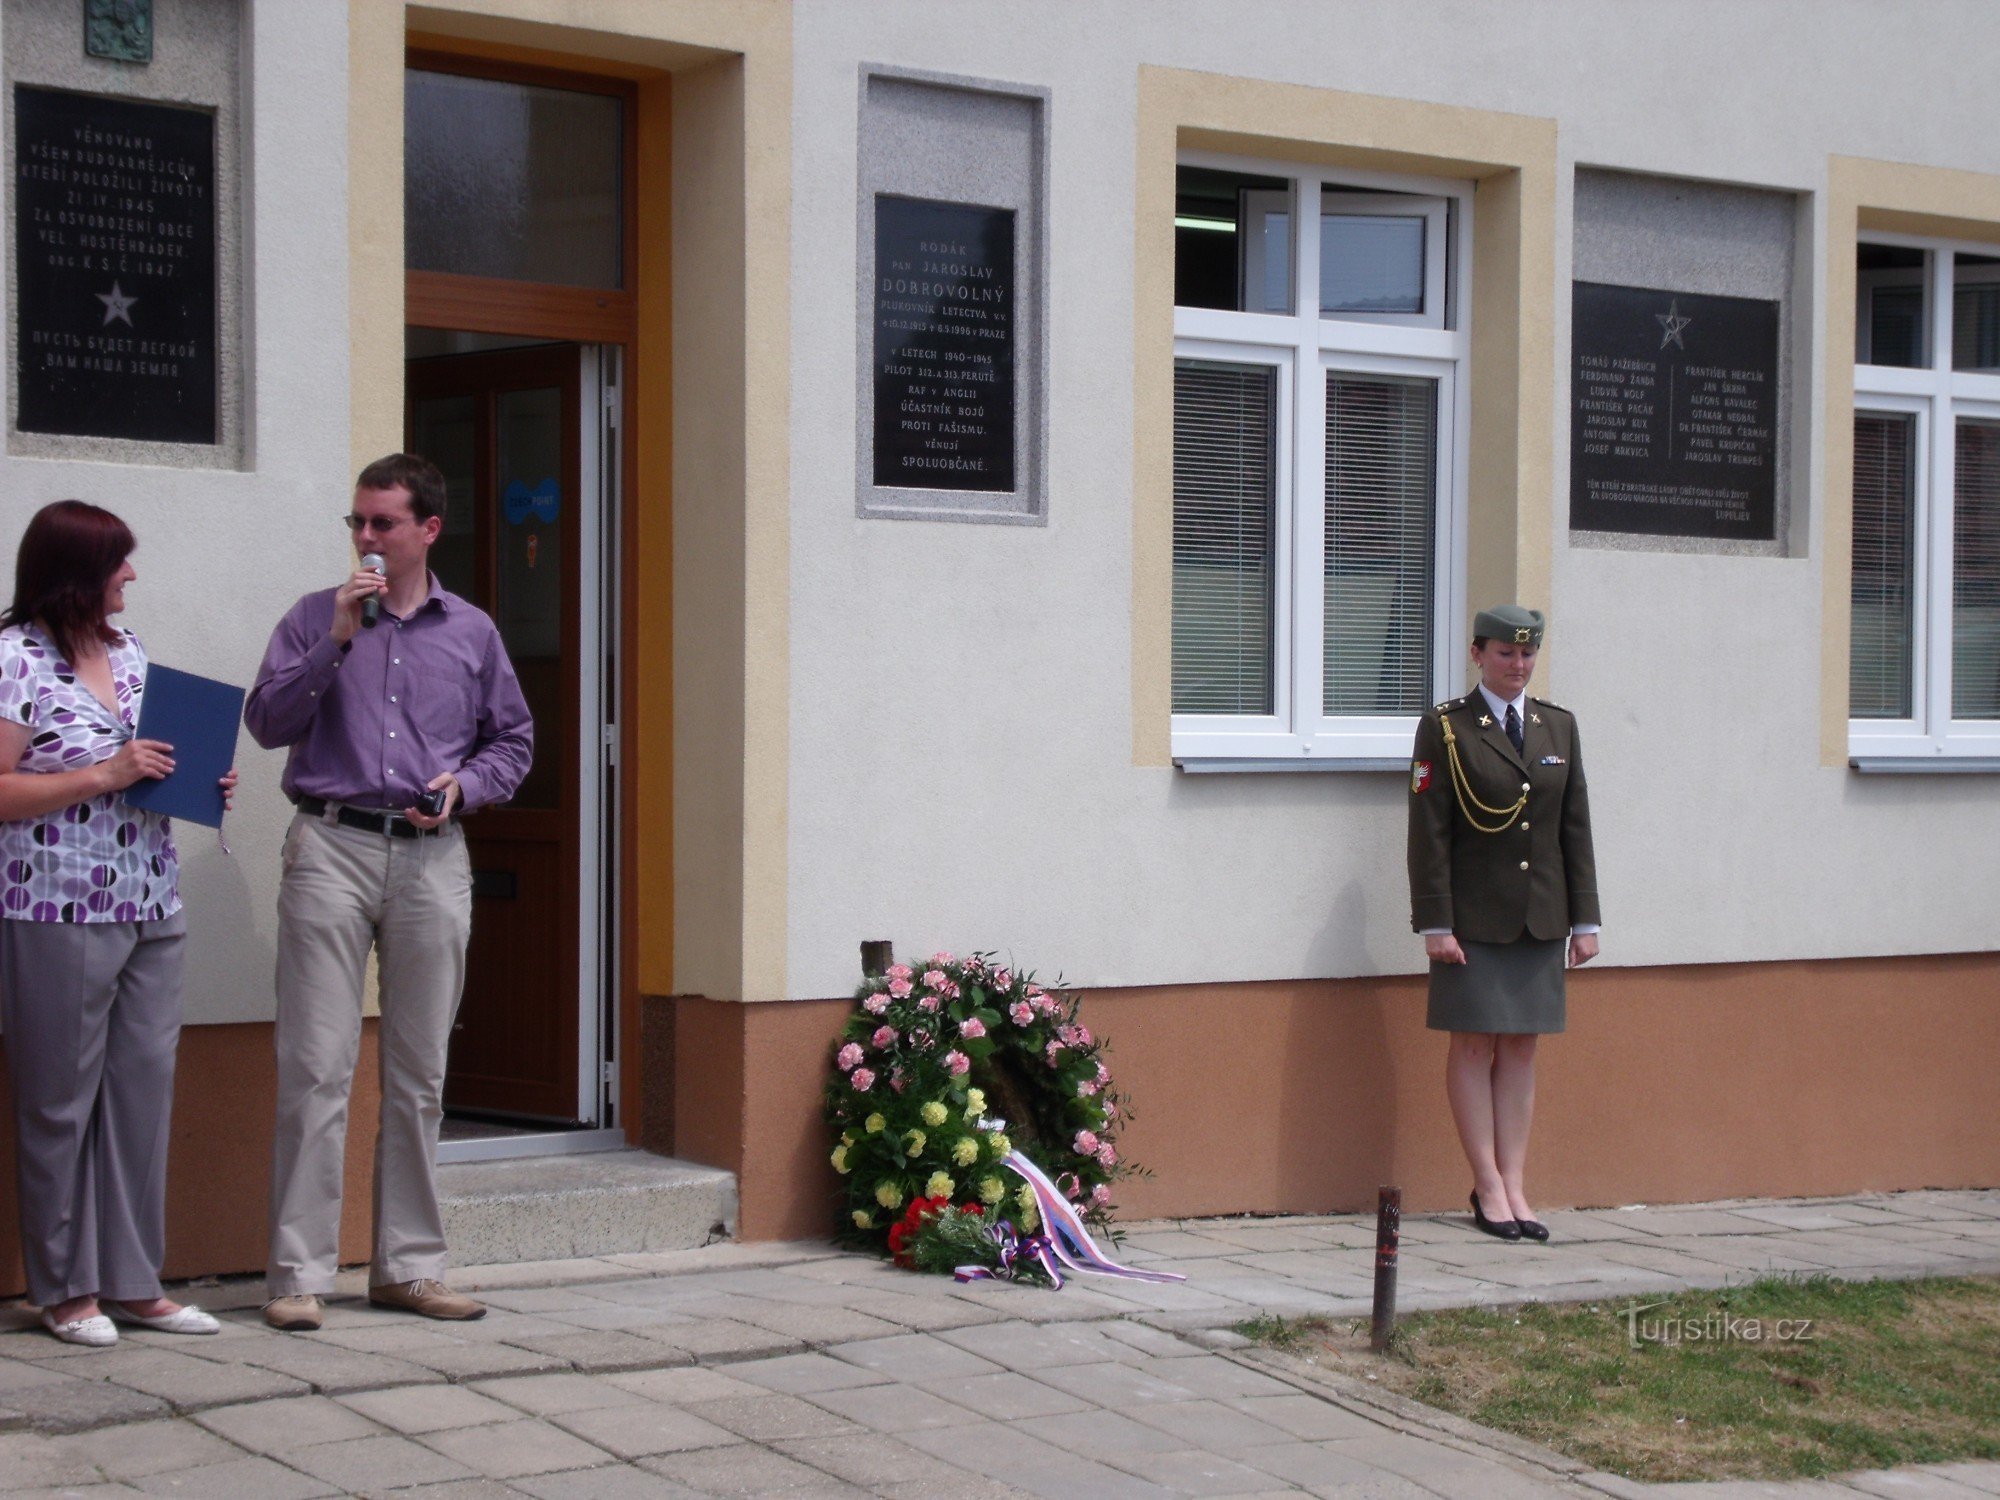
(1674, 419)
(944, 345)
(950, 280)
(115, 264)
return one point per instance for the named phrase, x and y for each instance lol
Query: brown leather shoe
(428, 1299)
(297, 1314)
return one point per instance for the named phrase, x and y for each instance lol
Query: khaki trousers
(345, 890)
(92, 1014)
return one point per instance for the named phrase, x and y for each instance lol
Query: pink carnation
(884, 1038)
(876, 1003)
(1053, 1052)
(928, 1002)
(1021, 1013)
(1086, 1142)
(1083, 1090)
(1110, 1108)
(920, 1038)
(863, 1079)
(1101, 1194)
(940, 957)
(1041, 1001)
(849, 1057)
(1003, 979)
(935, 979)
(974, 1027)
(896, 1079)
(899, 971)
(1106, 1156)
(1103, 1073)
(958, 1062)
(900, 987)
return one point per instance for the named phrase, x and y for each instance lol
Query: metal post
(1388, 1235)
(876, 957)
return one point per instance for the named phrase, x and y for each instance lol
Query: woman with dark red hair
(91, 936)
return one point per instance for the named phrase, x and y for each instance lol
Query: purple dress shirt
(371, 724)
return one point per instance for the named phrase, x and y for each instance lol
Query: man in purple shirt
(377, 712)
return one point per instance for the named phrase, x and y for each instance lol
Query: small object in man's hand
(431, 803)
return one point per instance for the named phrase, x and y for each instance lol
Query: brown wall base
(219, 1161)
(1672, 1085)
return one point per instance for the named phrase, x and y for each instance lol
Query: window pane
(1975, 573)
(1975, 314)
(1225, 499)
(512, 180)
(1884, 579)
(1381, 522)
(1889, 325)
(1232, 241)
(1371, 263)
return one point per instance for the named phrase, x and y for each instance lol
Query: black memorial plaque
(944, 345)
(114, 242)
(1673, 428)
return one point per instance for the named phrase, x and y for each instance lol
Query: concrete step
(563, 1207)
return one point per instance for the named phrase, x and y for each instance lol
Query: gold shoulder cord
(1463, 789)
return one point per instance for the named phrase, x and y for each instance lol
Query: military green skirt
(1501, 987)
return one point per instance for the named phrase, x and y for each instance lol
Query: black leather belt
(393, 824)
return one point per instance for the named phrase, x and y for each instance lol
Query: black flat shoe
(1534, 1229)
(1504, 1229)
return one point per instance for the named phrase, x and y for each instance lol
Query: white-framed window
(1320, 413)
(1924, 645)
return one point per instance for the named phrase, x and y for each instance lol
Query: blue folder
(198, 717)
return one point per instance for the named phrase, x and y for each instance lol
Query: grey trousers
(345, 890)
(92, 1015)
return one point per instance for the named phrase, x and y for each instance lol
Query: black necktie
(1514, 728)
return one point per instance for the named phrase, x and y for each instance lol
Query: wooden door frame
(475, 304)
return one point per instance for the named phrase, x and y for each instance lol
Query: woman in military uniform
(1503, 888)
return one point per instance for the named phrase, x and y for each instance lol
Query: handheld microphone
(372, 605)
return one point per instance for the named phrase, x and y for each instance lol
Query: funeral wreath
(943, 1069)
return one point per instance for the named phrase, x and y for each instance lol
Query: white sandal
(93, 1332)
(180, 1320)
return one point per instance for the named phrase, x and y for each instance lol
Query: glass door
(506, 430)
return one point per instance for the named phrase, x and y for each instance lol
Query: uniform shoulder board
(1448, 704)
(1546, 703)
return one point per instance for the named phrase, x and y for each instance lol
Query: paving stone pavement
(800, 1371)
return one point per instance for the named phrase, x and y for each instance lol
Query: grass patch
(1887, 1373)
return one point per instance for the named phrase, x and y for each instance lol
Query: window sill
(1935, 765)
(1205, 765)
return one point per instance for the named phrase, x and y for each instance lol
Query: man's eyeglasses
(380, 525)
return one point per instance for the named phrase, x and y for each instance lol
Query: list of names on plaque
(944, 345)
(114, 240)
(1673, 429)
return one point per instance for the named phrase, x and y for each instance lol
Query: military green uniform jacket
(1537, 875)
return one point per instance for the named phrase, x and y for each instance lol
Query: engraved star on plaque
(117, 306)
(1672, 322)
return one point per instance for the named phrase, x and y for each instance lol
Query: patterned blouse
(97, 860)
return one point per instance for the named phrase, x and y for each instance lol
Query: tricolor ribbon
(1063, 1238)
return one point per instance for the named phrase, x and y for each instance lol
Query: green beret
(1509, 622)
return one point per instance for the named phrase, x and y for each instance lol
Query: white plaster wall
(222, 554)
(960, 731)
